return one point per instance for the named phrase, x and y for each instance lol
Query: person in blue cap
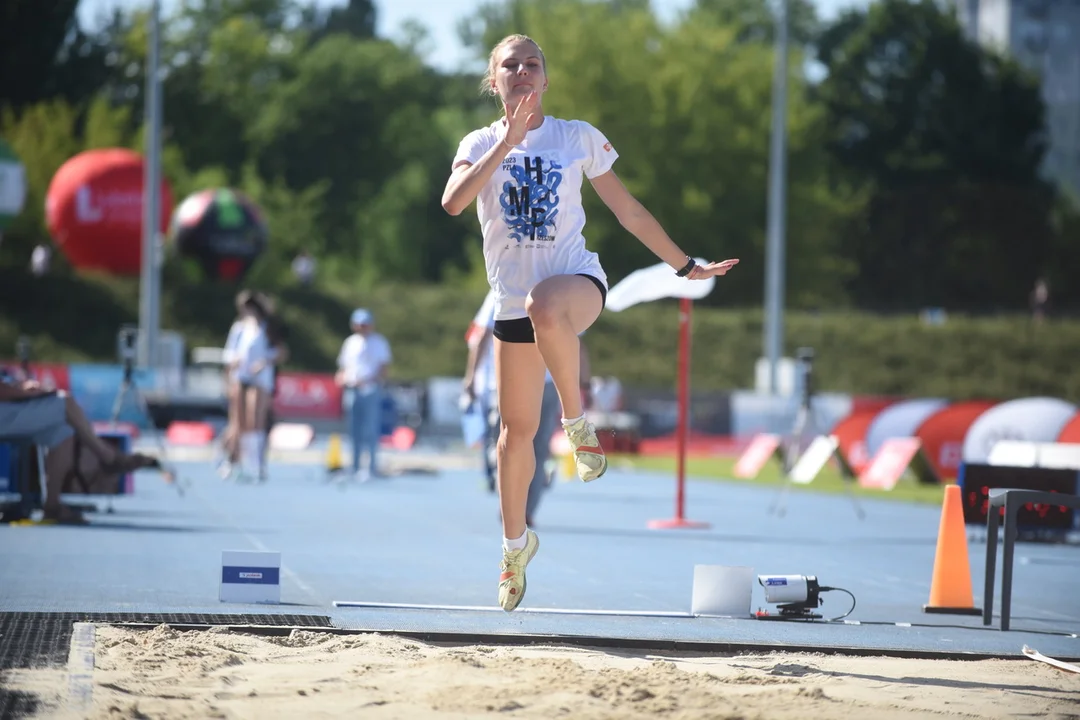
(362, 366)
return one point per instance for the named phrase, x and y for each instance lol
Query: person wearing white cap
(362, 364)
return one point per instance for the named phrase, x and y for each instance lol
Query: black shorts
(520, 330)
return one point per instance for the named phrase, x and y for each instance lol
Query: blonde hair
(487, 84)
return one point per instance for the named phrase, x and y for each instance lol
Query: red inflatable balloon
(94, 210)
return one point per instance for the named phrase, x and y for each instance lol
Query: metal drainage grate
(41, 639)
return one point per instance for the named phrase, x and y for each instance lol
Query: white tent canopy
(1032, 419)
(654, 283)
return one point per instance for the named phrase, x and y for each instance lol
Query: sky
(439, 16)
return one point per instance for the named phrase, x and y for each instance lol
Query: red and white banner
(889, 464)
(760, 450)
(52, 376)
(895, 457)
(307, 395)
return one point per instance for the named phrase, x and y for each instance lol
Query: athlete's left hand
(702, 272)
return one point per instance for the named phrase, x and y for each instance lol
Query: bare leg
(246, 410)
(229, 444)
(561, 308)
(262, 409)
(262, 417)
(82, 426)
(231, 441)
(249, 428)
(58, 462)
(519, 371)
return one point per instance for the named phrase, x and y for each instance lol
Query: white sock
(568, 423)
(260, 447)
(249, 449)
(518, 544)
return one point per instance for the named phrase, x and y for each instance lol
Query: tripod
(22, 348)
(128, 385)
(803, 431)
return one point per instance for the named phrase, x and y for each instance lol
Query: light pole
(775, 241)
(150, 281)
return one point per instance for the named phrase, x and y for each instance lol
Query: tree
(362, 116)
(688, 110)
(756, 21)
(44, 54)
(949, 138)
(356, 19)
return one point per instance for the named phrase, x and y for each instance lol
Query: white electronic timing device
(797, 596)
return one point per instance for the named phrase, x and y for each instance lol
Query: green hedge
(74, 319)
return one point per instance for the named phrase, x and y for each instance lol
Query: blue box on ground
(7, 469)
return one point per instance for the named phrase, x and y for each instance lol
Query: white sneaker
(512, 580)
(589, 457)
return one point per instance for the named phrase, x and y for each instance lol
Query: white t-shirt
(361, 358)
(530, 211)
(249, 345)
(232, 341)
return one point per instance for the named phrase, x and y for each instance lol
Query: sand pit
(163, 673)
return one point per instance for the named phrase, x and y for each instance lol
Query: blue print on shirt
(530, 200)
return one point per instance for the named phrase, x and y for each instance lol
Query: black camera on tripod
(127, 348)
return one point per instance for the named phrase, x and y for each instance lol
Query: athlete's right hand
(520, 118)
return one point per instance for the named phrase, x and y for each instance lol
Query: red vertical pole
(685, 306)
(682, 427)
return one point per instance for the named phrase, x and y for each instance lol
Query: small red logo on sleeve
(607, 146)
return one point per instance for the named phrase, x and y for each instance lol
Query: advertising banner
(311, 396)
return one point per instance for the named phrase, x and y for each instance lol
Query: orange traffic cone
(950, 588)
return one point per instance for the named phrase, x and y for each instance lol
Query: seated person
(52, 419)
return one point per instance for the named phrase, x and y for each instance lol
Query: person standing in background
(39, 260)
(277, 335)
(253, 360)
(479, 382)
(230, 437)
(362, 367)
(303, 267)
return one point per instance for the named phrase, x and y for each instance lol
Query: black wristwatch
(687, 268)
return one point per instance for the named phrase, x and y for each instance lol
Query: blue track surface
(435, 540)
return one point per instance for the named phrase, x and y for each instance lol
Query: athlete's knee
(517, 433)
(544, 310)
